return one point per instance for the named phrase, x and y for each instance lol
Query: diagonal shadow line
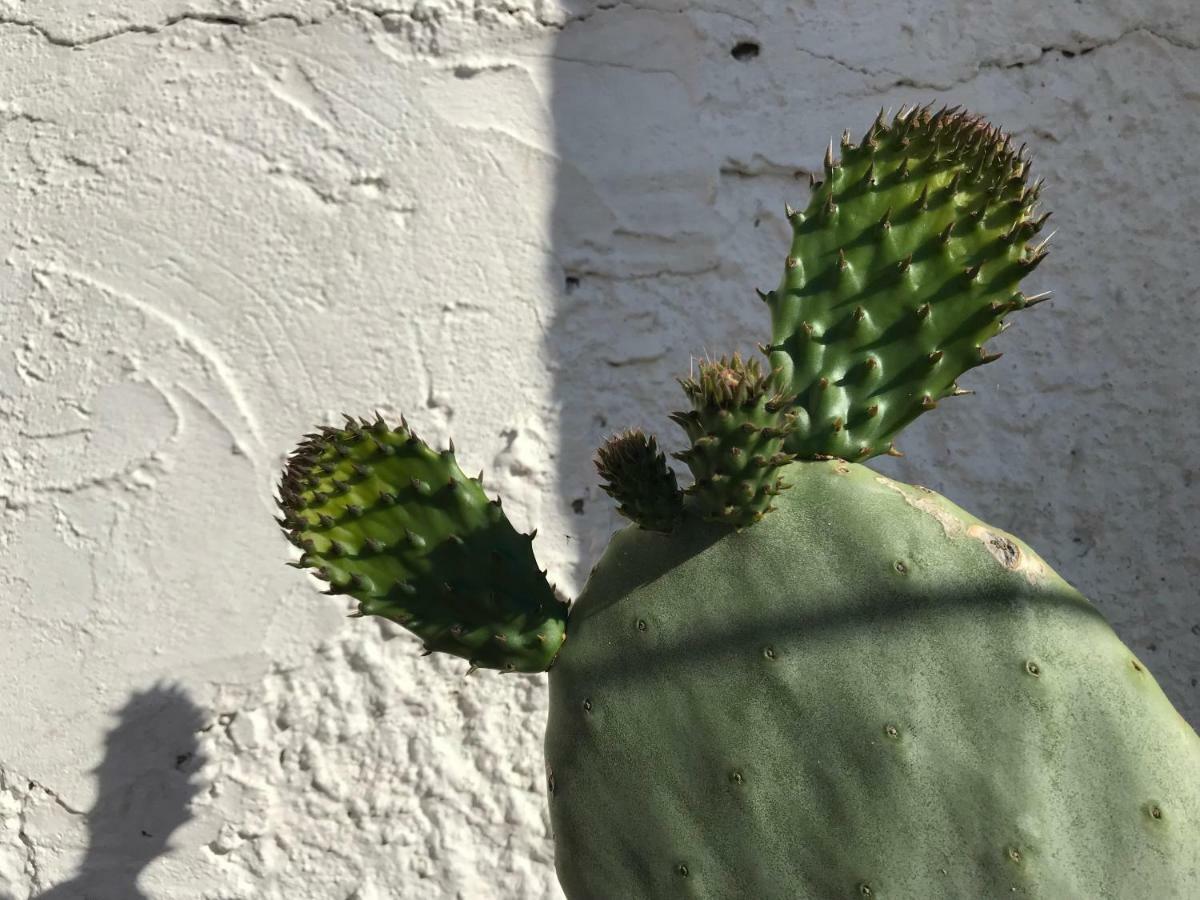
(144, 793)
(790, 630)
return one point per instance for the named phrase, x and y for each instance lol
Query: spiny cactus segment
(637, 476)
(737, 426)
(396, 525)
(906, 260)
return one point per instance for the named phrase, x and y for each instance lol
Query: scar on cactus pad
(797, 678)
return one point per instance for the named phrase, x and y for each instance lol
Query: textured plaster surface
(516, 222)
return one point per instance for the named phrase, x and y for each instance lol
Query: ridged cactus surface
(395, 524)
(870, 693)
(737, 426)
(904, 262)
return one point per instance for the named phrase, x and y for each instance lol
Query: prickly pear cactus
(797, 678)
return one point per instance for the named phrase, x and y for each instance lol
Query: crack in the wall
(585, 272)
(31, 856)
(416, 14)
(226, 20)
(1066, 51)
(676, 11)
(25, 798)
(58, 40)
(8, 785)
(20, 115)
(54, 795)
(1084, 49)
(762, 167)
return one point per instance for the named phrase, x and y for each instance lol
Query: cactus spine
(798, 678)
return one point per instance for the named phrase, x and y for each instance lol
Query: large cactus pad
(870, 693)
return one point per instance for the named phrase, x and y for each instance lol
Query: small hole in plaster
(744, 51)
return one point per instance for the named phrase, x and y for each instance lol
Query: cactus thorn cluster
(634, 472)
(737, 426)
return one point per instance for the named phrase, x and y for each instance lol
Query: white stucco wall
(222, 223)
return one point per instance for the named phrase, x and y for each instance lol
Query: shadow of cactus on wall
(144, 792)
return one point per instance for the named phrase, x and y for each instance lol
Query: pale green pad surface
(840, 702)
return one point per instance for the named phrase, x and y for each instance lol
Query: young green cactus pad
(905, 261)
(798, 678)
(737, 426)
(636, 475)
(383, 517)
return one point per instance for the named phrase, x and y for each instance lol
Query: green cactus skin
(905, 261)
(636, 475)
(737, 426)
(869, 693)
(395, 524)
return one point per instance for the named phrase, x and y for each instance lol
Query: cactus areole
(797, 678)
